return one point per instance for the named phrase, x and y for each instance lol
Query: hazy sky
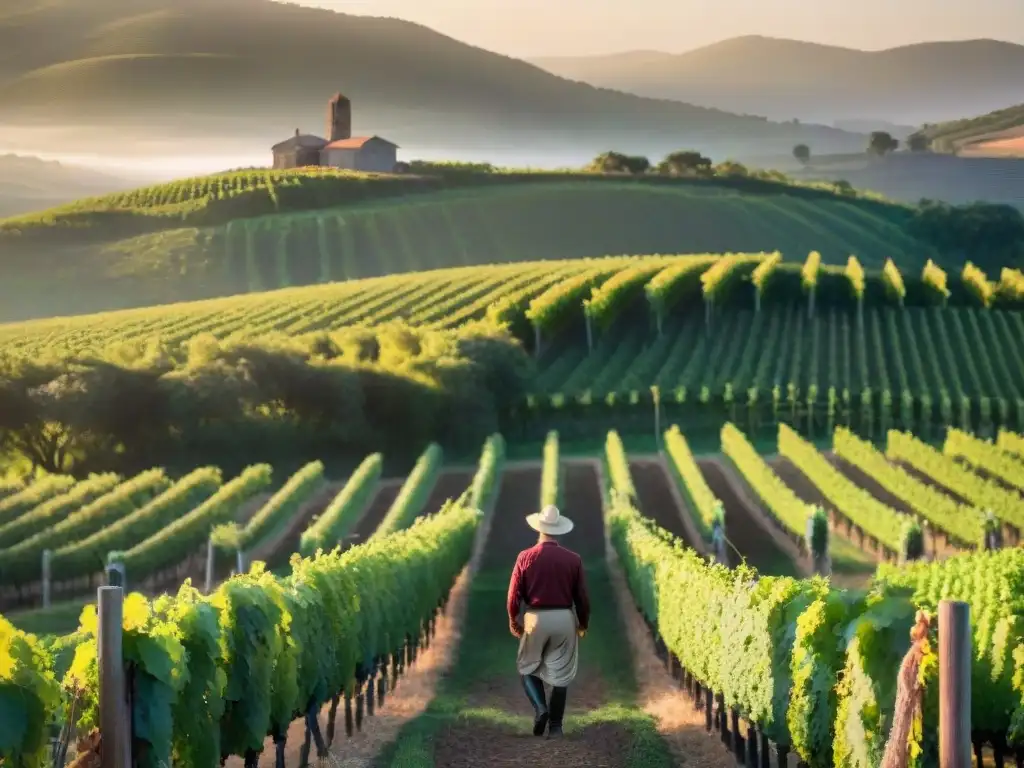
(548, 27)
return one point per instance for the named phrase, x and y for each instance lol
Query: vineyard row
(547, 294)
(261, 650)
(772, 649)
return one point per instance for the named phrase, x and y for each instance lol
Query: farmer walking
(549, 580)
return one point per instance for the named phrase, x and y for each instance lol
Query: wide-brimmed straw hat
(550, 521)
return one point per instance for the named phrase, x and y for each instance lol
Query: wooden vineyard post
(240, 561)
(656, 396)
(954, 684)
(47, 555)
(114, 724)
(211, 552)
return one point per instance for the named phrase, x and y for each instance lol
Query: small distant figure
(993, 532)
(550, 581)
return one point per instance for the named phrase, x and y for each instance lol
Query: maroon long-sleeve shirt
(548, 575)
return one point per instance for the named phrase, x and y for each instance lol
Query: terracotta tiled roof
(356, 142)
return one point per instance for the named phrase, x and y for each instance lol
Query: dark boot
(557, 711)
(534, 688)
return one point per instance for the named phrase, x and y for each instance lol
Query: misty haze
(542, 383)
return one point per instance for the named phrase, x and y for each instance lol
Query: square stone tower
(339, 118)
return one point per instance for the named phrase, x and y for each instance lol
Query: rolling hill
(998, 133)
(785, 79)
(911, 176)
(234, 233)
(978, 158)
(248, 72)
(31, 184)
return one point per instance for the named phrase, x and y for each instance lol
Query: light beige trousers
(549, 647)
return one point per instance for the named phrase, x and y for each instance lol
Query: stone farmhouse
(341, 149)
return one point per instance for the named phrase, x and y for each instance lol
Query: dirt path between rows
(449, 486)
(478, 740)
(808, 492)
(658, 502)
(509, 532)
(1010, 533)
(852, 566)
(983, 473)
(927, 479)
(936, 542)
(278, 551)
(748, 528)
(484, 741)
(386, 494)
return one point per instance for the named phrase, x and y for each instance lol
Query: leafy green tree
(802, 153)
(685, 163)
(882, 143)
(769, 174)
(340, 392)
(66, 417)
(731, 169)
(616, 162)
(843, 187)
(996, 230)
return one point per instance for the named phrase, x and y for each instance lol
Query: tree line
(343, 394)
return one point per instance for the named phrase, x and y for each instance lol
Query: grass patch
(775, 564)
(847, 559)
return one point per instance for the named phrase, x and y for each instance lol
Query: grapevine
(991, 458)
(343, 512)
(960, 521)
(282, 505)
(893, 281)
(481, 492)
(214, 675)
(551, 475)
(691, 481)
(619, 478)
(412, 498)
(87, 556)
(983, 493)
(784, 505)
(56, 508)
(37, 493)
(184, 536)
(875, 518)
(21, 563)
(978, 284)
(1011, 442)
